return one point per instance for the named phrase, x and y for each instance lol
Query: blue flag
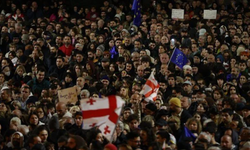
(137, 12)
(113, 52)
(188, 133)
(179, 58)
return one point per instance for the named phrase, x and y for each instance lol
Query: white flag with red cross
(150, 89)
(102, 112)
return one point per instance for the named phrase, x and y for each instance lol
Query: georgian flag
(150, 89)
(102, 112)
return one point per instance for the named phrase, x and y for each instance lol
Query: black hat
(246, 107)
(163, 112)
(105, 60)
(161, 122)
(151, 106)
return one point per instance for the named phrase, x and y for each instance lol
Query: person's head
(133, 121)
(42, 132)
(40, 74)
(78, 118)
(175, 104)
(33, 119)
(185, 102)
(193, 125)
(17, 140)
(33, 140)
(226, 142)
(133, 139)
(162, 136)
(40, 112)
(227, 115)
(75, 142)
(61, 109)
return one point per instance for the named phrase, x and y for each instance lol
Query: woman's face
(200, 108)
(123, 91)
(34, 120)
(4, 63)
(111, 43)
(40, 113)
(232, 90)
(99, 137)
(112, 68)
(20, 72)
(3, 107)
(216, 95)
(100, 39)
(197, 117)
(193, 126)
(243, 79)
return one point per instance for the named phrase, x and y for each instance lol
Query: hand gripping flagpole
(171, 56)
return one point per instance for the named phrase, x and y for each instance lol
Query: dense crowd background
(46, 46)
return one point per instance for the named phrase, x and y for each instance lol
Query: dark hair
(228, 110)
(164, 134)
(132, 117)
(132, 135)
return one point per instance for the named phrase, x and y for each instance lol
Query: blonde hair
(199, 127)
(20, 67)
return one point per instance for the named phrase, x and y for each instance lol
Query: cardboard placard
(210, 14)
(68, 95)
(177, 14)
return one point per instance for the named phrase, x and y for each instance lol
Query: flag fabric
(137, 12)
(102, 112)
(150, 88)
(188, 133)
(179, 58)
(113, 52)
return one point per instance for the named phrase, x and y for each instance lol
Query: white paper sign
(177, 14)
(210, 14)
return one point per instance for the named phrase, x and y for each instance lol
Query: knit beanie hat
(111, 146)
(176, 101)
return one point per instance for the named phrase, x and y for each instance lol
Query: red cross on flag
(102, 112)
(150, 89)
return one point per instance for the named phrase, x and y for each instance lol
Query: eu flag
(179, 58)
(137, 12)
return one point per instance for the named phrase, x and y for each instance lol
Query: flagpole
(171, 56)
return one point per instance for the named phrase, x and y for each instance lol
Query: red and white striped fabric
(102, 112)
(150, 89)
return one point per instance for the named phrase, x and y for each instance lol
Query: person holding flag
(178, 58)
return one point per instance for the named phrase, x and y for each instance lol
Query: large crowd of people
(46, 46)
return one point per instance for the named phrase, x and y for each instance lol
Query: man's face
(4, 95)
(226, 143)
(66, 40)
(226, 118)
(59, 63)
(136, 142)
(60, 111)
(25, 92)
(184, 102)
(40, 76)
(159, 139)
(133, 124)
(43, 135)
(126, 113)
(187, 88)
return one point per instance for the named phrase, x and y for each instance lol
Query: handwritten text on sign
(68, 95)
